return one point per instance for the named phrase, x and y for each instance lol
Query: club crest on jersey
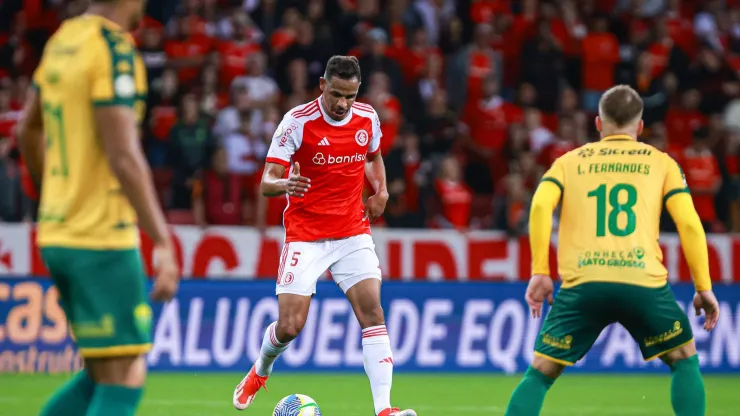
(361, 137)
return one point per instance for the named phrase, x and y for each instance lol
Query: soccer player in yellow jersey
(612, 193)
(80, 140)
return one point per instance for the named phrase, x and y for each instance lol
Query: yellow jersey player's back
(612, 197)
(89, 62)
(612, 194)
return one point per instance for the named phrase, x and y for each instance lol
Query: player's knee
(288, 328)
(371, 315)
(128, 371)
(681, 353)
(547, 367)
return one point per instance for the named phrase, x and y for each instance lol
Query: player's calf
(119, 383)
(529, 395)
(688, 396)
(292, 314)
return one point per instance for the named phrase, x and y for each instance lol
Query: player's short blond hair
(621, 105)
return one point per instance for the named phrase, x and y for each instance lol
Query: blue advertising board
(451, 327)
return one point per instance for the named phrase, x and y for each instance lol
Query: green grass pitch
(181, 394)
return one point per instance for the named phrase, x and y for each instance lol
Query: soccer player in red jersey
(329, 145)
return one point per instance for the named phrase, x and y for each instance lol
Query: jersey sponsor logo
(124, 86)
(291, 128)
(320, 159)
(361, 137)
(625, 152)
(324, 142)
(584, 153)
(613, 258)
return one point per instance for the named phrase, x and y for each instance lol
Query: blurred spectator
(387, 106)
(681, 121)
(489, 117)
(375, 60)
(702, 176)
(220, 198)
(152, 51)
(419, 94)
(455, 198)
(564, 142)
(542, 66)
(229, 119)
(244, 151)
(189, 150)
(404, 176)
(10, 197)
(10, 113)
(186, 51)
(600, 56)
(652, 89)
(236, 50)
(162, 107)
(539, 135)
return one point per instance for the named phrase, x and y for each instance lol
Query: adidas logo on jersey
(324, 142)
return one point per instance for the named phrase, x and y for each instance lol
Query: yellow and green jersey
(90, 61)
(613, 193)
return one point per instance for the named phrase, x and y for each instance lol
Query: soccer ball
(297, 405)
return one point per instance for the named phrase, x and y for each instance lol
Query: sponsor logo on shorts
(563, 343)
(665, 336)
(613, 258)
(105, 328)
(320, 159)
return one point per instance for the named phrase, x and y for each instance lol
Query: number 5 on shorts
(293, 263)
(294, 259)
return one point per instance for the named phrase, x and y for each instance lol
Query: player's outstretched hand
(168, 274)
(297, 185)
(375, 206)
(540, 288)
(705, 300)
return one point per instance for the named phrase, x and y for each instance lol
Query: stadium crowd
(476, 98)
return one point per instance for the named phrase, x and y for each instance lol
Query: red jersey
(332, 154)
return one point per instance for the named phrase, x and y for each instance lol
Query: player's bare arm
(540, 286)
(123, 148)
(31, 137)
(274, 182)
(375, 173)
(693, 239)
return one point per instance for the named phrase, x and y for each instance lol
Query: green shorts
(580, 313)
(103, 293)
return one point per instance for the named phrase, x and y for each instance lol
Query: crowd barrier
(443, 327)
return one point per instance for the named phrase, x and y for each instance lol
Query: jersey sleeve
(285, 142)
(113, 76)
(374, 147)
(675, 180)
(556, 174)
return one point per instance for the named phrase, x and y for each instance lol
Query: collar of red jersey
(617, 137)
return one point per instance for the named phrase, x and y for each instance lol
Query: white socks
(378, 359)
(271, 349)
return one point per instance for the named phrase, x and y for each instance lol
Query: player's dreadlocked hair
(344, 67)
(621, 105)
